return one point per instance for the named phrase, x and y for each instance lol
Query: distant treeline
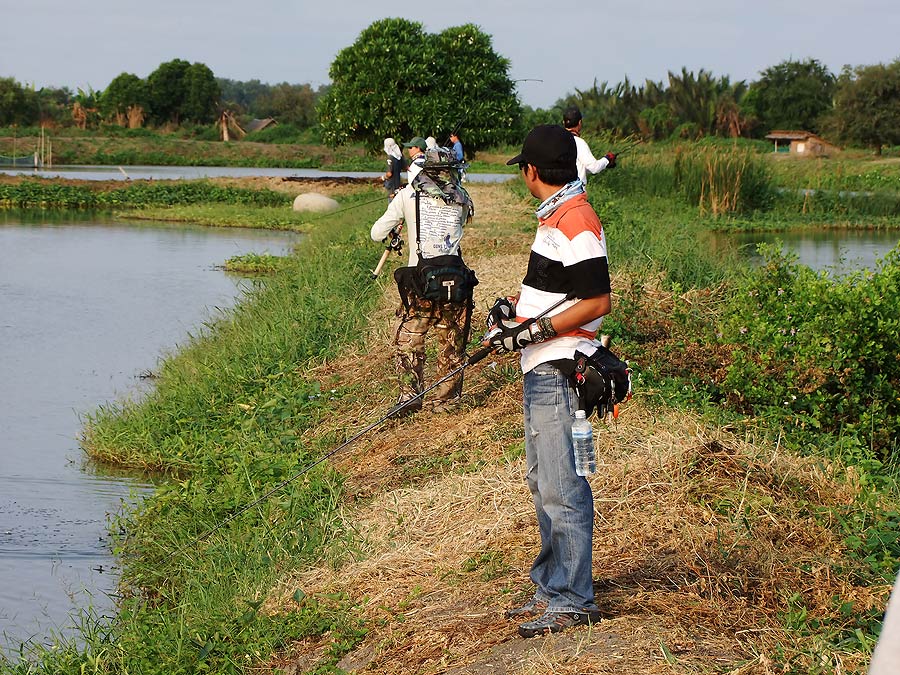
(176, 94)
(858, 107)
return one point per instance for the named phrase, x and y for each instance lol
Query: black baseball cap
(571, 116)
(548, 146)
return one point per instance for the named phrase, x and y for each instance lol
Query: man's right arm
(391, 218)
(586, 157)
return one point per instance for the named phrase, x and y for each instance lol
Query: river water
(836, 251)
(86, 308)
(193, 172)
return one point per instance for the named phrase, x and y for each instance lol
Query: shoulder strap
(418, 241)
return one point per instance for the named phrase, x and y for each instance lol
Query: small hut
(801, 143)
(259, 125)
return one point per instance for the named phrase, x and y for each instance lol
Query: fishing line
(339, 211)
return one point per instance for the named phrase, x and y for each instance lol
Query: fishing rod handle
(479, 355)
(381, 262)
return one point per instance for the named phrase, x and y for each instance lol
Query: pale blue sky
(88, 43)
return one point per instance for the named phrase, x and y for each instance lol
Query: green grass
(49, 194)
(254, 264)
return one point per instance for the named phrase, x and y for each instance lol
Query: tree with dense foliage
(201, 95)
(867, 105)
(52, 104)
(14, 107)
(396, 80)
(604, 108)
(705, 105)
(180, 91)
(288, 103)
(791, 95)
(125, 90)
(241, 97)
(166, 85)
(692, 105)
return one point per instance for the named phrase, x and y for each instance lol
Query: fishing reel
(394, 242)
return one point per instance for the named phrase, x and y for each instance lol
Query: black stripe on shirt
(585, 279)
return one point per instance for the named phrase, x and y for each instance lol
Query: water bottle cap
(580, 415)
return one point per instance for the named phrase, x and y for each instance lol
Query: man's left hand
(510, 336)
(611, 157)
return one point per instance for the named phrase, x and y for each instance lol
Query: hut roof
(785, 135)
(257, 125)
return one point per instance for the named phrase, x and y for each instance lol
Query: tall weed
(720, 181)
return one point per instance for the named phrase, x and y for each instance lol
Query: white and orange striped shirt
(568, 257)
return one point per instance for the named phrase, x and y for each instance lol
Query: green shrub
(817, 353)
(48, 194)
(278, 134)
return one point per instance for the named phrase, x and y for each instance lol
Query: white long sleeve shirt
(440, 224)
(585, 161)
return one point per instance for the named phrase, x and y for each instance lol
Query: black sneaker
(533, 607)
(405, 405)
(554, 622)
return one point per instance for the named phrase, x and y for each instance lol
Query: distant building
(259, 125)
(801, 143)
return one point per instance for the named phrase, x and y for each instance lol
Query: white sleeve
(392, 217)
(587, 159)
(886, 657)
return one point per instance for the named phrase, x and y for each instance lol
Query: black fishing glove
(611, 156)
(502, 310)
(510, 336)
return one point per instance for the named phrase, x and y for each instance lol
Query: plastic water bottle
(583, 444)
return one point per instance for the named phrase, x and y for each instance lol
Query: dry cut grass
(700, 536)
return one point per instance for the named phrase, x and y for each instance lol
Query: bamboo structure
(226, 123)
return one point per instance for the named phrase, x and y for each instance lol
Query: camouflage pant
(449, 323)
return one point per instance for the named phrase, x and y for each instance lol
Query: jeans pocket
(545, 370)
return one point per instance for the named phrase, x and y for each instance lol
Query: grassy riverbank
(138, 147)
(739, 529)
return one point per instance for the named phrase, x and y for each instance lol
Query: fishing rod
(630, 146)
(469, 361)
(339, 211)
(393, 242)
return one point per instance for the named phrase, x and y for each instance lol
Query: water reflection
(86, 307)
(837, 251)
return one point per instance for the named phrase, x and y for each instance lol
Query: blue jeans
(562, 499)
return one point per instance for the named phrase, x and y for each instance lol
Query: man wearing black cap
(567, 265)
(585, 160)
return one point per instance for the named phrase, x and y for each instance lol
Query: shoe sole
(588, 620)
